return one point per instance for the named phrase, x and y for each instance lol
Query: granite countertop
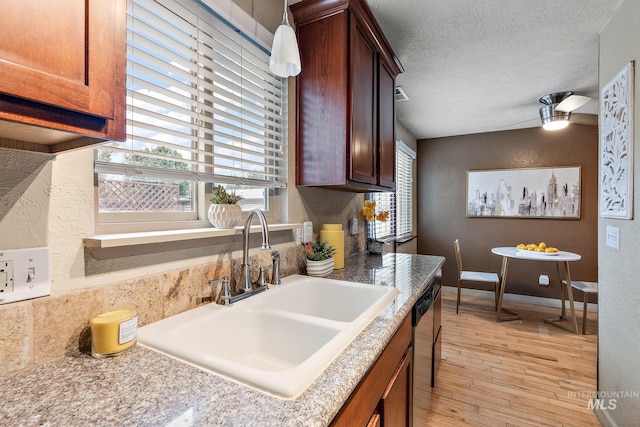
(143, 387)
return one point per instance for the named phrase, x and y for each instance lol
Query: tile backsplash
(40, 330)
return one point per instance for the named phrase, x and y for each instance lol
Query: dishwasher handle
(422, 305)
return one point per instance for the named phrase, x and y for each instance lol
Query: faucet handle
(263, 274)
(275, 276)
(225, 295)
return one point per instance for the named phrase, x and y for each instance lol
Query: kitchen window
(202, 108)
(399, 203)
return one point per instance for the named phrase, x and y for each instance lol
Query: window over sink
(202, 108)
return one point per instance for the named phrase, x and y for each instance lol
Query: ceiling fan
(557, 108)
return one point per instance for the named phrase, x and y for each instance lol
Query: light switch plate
(307, 232)
(29, 271)
(354, 227)
(613, 237)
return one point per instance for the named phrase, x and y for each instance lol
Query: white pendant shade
(285, 58)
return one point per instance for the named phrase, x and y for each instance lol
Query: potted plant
(224, 211)
(319, 258)
(374, 246)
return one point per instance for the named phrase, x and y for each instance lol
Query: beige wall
(619, 295)
(442, 167)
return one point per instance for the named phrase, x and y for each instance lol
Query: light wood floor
(518, 373)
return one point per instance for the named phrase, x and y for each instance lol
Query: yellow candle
(334, 236)
(113, 332)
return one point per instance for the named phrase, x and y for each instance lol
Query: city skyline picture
(524, 193)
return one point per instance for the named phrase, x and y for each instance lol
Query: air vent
(401, 94)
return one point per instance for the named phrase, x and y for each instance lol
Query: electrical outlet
(6, 276)
(613, 237)
(298, 233)
(354, 227)
(24, 274)
(543, 280)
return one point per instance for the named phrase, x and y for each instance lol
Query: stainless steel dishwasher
(422, 317)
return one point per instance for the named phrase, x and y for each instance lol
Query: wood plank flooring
(517, 373)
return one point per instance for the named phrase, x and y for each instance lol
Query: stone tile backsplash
(37, 331)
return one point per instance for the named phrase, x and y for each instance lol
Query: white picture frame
(616, 145)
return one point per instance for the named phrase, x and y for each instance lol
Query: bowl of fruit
(540, 248)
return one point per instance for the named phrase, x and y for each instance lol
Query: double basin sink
(278, 341)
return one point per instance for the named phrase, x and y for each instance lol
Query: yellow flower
(369, 212)
(383, 216)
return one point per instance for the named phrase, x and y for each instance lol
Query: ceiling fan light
(556, 125)
(553, 119)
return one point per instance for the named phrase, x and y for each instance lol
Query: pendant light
(285, 58)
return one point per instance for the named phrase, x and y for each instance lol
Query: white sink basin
(278, 341)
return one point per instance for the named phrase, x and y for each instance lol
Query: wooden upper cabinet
(62, 73)
(345, 98)
(386, 127)
(363, 107)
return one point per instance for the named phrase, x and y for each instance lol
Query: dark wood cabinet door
(386, 128)
(62, 65)
(396, 404)
(363, 150)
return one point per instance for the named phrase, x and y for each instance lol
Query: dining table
(562, 260)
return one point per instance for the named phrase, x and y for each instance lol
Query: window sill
(104, 241)
(405, 239)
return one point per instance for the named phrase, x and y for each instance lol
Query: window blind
(400, 203)
(202, 104)
(383, 230)
(404, 189)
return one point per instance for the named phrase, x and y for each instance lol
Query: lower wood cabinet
(384, 397)
(396, 404)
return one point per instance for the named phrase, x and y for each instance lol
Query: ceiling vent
(401, 94)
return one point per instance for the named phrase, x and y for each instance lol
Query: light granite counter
(144, 388)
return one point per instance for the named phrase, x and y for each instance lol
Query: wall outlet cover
(307, 232)
(30, 273)
(354, 227)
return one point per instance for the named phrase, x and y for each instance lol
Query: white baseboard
(604, 418)
(526, 299)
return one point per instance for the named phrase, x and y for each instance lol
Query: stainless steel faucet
(245, 278)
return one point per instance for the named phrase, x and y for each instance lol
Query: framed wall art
(616, 146)
(525, 193)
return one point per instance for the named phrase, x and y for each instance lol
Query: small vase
(320, 268)
(225, 216)
(374, 247)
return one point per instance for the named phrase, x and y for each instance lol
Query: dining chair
(475, 277)
(586, 288)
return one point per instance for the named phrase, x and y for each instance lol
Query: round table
(562, 260)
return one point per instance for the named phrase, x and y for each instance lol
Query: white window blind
(404, 189)
(202, 104)
(400, 203)
(379, 230)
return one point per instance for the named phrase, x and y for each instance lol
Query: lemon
(542, 245)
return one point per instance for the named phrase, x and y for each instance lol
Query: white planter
(225, 216)
(320, 268)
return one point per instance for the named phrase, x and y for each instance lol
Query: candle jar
(114, 331)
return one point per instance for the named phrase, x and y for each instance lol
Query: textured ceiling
(480, 66)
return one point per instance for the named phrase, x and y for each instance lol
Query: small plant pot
(320, 268)
(374, 247)
(225, 216)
